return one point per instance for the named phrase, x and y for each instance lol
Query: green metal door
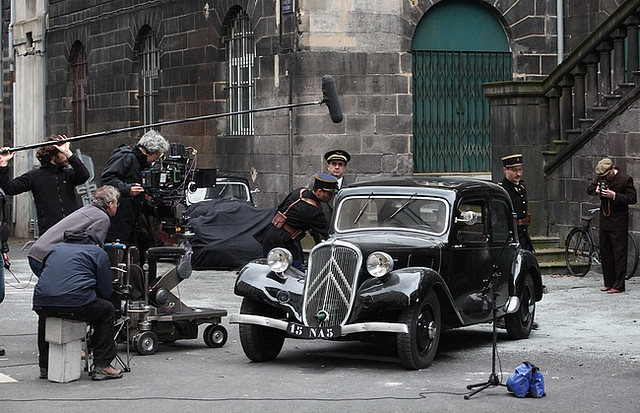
(458, 46)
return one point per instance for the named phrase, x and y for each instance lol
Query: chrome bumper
(346, 329)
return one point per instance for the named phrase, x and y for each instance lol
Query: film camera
(166, 183)
(603, 185)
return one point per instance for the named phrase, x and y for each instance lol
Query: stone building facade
(368, 47)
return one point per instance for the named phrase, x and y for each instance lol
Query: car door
(475, 248)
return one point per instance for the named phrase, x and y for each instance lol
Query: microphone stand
(494, 380)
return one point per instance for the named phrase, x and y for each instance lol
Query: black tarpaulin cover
(224, 231)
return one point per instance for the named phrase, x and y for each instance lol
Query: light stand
(493, 380)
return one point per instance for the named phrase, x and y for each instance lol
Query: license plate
(300, 331)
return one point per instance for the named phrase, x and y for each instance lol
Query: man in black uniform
(515, 186)
(300, 211)
(337, 161)
(617, 192)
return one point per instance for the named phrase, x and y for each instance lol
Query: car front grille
(331, 281)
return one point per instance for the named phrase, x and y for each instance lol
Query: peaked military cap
(337, 155)
(510, 161)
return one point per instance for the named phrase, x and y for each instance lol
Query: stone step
(550, 255)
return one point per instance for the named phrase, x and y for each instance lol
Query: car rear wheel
(520, 323)
(259, 343)
(417, 349)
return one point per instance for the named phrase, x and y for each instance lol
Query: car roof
(423, 185)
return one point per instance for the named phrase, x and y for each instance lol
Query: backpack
(526, 380)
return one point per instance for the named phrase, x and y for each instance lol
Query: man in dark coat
(617, 192)
(4, 237)
(76, 284)
(52, 185)
(124, 172)
(302, 211)
(517, 190)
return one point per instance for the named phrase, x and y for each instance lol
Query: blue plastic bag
(520, 380)
(536, 388)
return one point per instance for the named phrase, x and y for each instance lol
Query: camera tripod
(494, 380)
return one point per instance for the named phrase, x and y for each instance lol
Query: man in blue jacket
(76, 284)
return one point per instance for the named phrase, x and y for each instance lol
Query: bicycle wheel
(577, 251)
(632, 257)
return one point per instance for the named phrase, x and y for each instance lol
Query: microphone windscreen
(330, 97)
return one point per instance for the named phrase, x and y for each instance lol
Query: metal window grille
(79, 73)
(451, 113)
(240, 55)
(149, 70)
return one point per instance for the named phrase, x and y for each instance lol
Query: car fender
(399, 290)
(525, 264)
(283, 291)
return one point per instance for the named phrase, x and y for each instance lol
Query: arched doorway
(457, 46)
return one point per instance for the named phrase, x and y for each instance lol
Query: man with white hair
(124, 171)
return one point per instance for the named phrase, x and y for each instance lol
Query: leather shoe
(614, 291)
(605, 288)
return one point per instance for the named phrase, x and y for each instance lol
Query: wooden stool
(65, 347)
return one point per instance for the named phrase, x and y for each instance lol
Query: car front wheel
(417, 349)
(259, 343)
(520, 323)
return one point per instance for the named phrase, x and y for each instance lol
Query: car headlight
(279, 259)
(379, 264)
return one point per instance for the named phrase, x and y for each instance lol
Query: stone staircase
(550, 255)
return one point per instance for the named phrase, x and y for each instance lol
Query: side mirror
(467, 217)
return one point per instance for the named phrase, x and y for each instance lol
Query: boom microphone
(330, 97)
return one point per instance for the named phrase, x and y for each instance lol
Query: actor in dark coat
(302, 210)
(617, 192)
(517, 190)
(52, 185)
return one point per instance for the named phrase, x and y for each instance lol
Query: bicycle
(581, 250)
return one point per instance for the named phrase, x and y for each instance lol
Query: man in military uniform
(337, 161)
(300, 211)
(515, 186)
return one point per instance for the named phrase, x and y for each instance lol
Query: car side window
(468, 232)
(500, 219)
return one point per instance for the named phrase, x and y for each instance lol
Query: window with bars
(240, 53)
(149, 70)
(79, 77)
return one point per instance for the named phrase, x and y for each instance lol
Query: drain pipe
(560, 29)
(45, 12)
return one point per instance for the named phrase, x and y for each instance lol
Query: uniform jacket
(89, 217)
(75, 273)
(52, 187)
(302, 215)
(123, 170)
(614, 213)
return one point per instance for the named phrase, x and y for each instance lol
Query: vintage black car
(406, 258)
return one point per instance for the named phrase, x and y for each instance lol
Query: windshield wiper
(403, 206)
(366, 204)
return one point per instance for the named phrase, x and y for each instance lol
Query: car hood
(406, 249)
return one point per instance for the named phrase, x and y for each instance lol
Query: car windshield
(409, 211)
(222, 190)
